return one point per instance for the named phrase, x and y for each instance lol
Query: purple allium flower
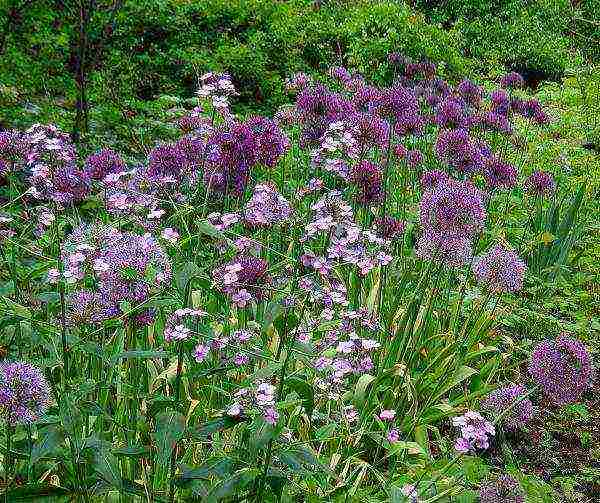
(500, 270)
(298, 82)
(499, 174)
(167, 160)
(397, 59)
(271, 416)
(532, 109)
(395, 102)
(452, 250)
(451, 113)
(393, 435)
(509, 398)
(176, 326)
(232, 154)
(368, 179)
(266, 207)
(540, 183)
(24, 393)
(366, 97)
(340, 73)
(453, 207)
(409, 122)
(86, 306)
(271, 141)
(502, 489)
(470, 92)
(459, 151)
(500, 102)
(492, 121)
(431, 178)
(389, 227)
(562, 368)
(102, 163)
(512, 80)
(369, 130)
(475, 432)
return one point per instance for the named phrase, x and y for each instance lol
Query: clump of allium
(492, 121)
(512, 80)
(500, 270)
(368, 179)
(475, 432)
(24, 393)
(500, 102)
(456, 148)
(511, 399)
(369, 130)
(409, 122)
(452, 250)
(540, 183)
(453, 207)
(502, 489)
(431, 178)
(532, 109)
(193, 121)
(395, 102)
(102, 163)
(266, 207)
(562, 368)
(271, 141)
(389, 227)
(244, 279)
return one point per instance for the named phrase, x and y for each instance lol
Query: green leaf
(360, 390)
(233, 485)
(139, 355)
(134, 451)
(205, 227)
(305, 392)
(219, 424)
(185, 274)
(50, 440)
(104, 462)
(325, 431)
(170, 427)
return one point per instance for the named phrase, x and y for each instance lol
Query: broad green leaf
(170, 427)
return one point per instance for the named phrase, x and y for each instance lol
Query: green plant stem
(176, 399)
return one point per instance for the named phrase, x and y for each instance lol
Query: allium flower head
(395, 102)
(102, 163)
(244, 278)
(540, 183)
(369, 130)
(368, 178)
(24, 393)
(451, 113)
(271, 141)
(13, 151)
(459, 151)
(389, 227)
(266, 207)
(453, 207)
(500, 270)
(167, 160)
(509, 398)
(86, 306)
(500, 102)
(502, 489)
(562, 368)
(452, 250)
(512, 80)
(470, 92)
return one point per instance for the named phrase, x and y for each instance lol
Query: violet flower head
(500, 102)
(512, 80)
(414, 158)
(456, 148)
(167, 160)
(340, 74)
(177, 324)
(266, 207)
(298, 82)
(532, 109)
(451, 113)
(409, 123)
(86, 306)
(243, 279)
(453, 207)
(368, 179)
(102, 163)
(271, 141)
(451, 250)
(562, 368)
(24, 393)
(502, 489)
(470, 92)
(396, 101)
(510, 398)
(499, 174)
(493, 121)
(475, 432)
(540, 183)
(389, 227)
(369, 130)
(500, 270)
(13, 151)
